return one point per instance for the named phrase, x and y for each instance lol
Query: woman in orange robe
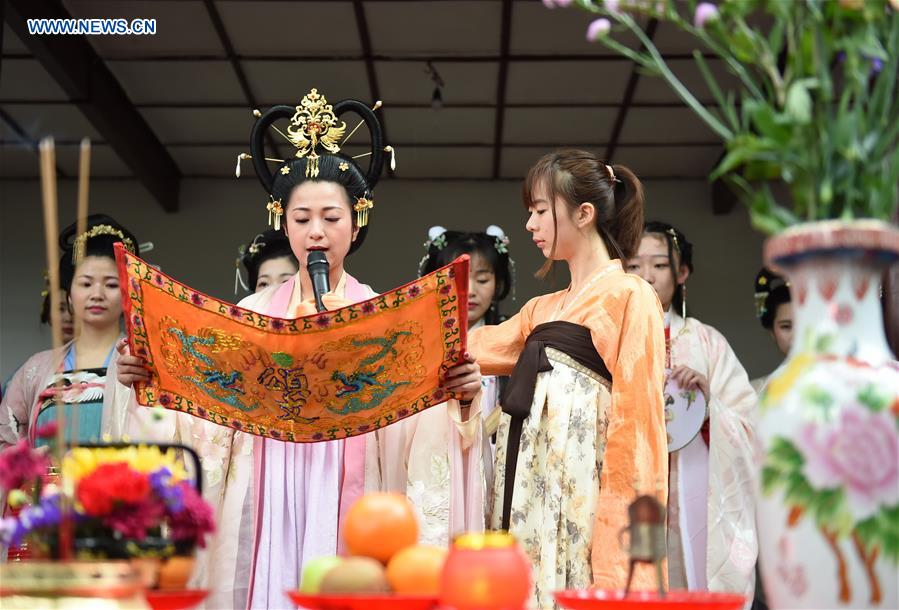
(583, 412)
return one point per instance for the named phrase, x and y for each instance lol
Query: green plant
(816, 105)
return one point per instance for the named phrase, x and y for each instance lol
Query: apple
(314, 571)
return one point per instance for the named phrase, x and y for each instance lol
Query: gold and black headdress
(101, 233)
(317, 131)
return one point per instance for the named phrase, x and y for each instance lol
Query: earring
(683, 301)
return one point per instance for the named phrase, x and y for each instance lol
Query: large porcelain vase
(828, 503)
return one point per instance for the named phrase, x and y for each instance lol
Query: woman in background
(711, 517)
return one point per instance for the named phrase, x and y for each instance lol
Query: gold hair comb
(80, 245)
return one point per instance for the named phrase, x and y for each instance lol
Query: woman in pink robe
(279, 505)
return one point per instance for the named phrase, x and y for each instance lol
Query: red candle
(486, 572)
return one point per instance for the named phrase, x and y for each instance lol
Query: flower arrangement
(135, 500)
(815, 105)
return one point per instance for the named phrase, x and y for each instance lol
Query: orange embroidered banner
(331, 375)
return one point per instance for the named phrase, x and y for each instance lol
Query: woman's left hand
(689, 379)
(464, 380)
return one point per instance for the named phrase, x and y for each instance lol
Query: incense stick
(84, 171)
(51, 236)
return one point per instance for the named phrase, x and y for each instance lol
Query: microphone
(318, 268)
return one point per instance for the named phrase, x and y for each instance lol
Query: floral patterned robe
(711, 499)
(588, 447)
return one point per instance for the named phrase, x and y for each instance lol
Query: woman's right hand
(129, 368)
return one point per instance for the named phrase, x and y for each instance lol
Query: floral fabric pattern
(557, 479)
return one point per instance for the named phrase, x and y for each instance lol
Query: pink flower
(598, 28)
(195, 519)
(705, 12)
(555, 3)
(48, 430)
(133, 520)
(859, 452)
(612, 6)
(20, 464)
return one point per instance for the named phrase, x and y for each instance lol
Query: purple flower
(8, 528)
(598, 28)
(33, 518)
(135, 319)
(196, 299)
(165, 400)
(876, 65)
(363, 428)
(277, 324)
(274, 434)
(318, 436)
(201, 412)
(157, 279)
(612, 6)
(323, 321)
(160, 482)
(236, 424)
(402, 413)
(449, 322)
(368, 307)
(445, 289)
(858, 452)
(414, 291)
(705, 12)
(234, 311)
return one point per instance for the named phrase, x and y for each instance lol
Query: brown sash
(571, 339)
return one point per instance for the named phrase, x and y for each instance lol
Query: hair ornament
(80, 244)
(502, 241)
(673, 235)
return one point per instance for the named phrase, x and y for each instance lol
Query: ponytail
(578, 176)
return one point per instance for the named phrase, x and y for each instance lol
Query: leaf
(882, 531)
(771, 479)
(798, 105)
(282, 359)
(818, 396)
(823, 343)
(743, 48)
(798, 492)
(769, 122)
(874, 398)
(783, 457)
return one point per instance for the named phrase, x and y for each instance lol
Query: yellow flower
(82, 461)
(784, 381)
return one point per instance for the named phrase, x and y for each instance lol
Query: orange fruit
(379, 525)
(417, 570)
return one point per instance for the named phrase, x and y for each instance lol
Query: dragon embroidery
(363, 387)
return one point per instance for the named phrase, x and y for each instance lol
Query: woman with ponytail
(582, 431)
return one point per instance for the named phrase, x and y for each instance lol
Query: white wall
(198, 245)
